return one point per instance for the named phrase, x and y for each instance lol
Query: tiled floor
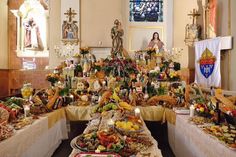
(158, 130)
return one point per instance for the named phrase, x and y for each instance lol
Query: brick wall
(12, 80)
(4, 83)
(18, 77)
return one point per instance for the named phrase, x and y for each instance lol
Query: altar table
(39, 139)
(187, 140)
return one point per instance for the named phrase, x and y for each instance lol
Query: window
(146, 11)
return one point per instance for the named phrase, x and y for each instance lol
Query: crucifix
(194, 14)
(70, 14)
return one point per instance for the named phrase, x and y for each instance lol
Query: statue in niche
(192, 31)
(33, 39)
(117, 42)
(70, 28)
(33, 30)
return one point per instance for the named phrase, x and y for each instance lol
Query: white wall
(97, 19)
(54, 31)
(3, 34)
(181, 9)
(233, 52)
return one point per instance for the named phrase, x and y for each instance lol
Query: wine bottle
(66, 82)
(217, 114)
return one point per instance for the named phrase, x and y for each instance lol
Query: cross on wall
(70, 14)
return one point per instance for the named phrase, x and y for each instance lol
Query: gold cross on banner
(70, 14)
(194, 15)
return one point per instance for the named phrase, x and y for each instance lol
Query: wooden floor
(158, 130)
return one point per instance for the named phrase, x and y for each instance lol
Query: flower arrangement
(52, 78)
(121, 67)
(84, 50)
(204, 109)
(151, 51)
(173, 75)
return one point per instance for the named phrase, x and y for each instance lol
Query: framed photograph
(146, 10)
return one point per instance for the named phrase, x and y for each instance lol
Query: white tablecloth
(187, 140)
(36, 140)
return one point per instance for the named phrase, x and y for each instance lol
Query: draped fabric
(212, 18)
(207, 62)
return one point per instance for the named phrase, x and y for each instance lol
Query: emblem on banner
(207, 63)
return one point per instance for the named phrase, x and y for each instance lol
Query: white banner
(207, 62)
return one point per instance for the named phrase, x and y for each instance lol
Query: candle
(104, 83)
(137, 112)
(72, 98)
(192, 109)
(26, 110)
(110, 123)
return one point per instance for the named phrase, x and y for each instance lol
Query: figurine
(117, 42)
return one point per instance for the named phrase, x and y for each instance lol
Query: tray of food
(92, 154)
(136, 143)
(129, 125)
(226, 134)
(6, 131)
(197, 120)
(102, 141)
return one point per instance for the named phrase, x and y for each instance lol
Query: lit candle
(110, 123)
(192, 109)
(26, 110)
(72, 98)
(137, 112)
(104, 83)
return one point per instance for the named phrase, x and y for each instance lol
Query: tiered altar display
(116, 95)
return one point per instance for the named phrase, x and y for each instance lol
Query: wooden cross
(70, 14)
(194, 15)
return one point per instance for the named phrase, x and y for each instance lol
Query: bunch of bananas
(127, 125)
(116, 97)
(126, 106)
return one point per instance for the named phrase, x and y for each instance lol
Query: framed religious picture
(70, 29)
(146, 10)
(32, 29)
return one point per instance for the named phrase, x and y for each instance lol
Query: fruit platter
(91, 154)
(100, 141)
(224, 133)
(129, 125)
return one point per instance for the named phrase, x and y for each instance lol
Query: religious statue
(192, 31)
(70, 28)
(33, 38)
(117, 42)
(32, 29)
(209, 18)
